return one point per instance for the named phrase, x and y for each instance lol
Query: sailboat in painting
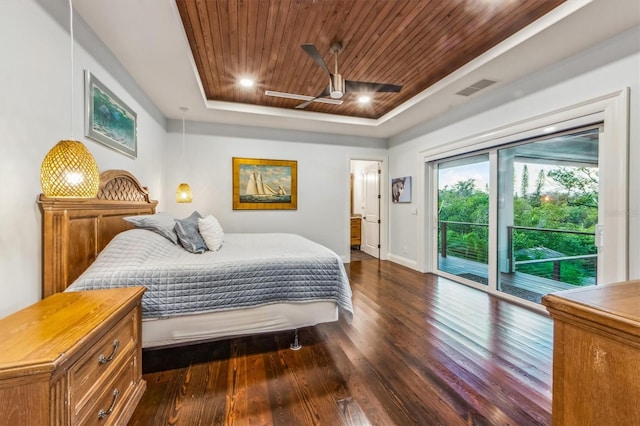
(259, 191)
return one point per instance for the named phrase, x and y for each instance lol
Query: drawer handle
(102, 413)
(103, 360)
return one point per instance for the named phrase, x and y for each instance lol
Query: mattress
(248, 270)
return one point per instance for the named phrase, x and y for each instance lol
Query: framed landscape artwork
(108, 120)
(265, 184)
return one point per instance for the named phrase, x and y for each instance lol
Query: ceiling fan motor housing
(337, 87)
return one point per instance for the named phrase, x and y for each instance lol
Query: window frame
(612, 111)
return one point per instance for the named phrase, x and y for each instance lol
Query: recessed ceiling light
(246, 82)
(364, 99)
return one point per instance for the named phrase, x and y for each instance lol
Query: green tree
(580, 184)
(464, 202)
(539, 184)
(574, 206)
(524, 184)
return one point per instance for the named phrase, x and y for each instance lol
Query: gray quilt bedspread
(248, 270)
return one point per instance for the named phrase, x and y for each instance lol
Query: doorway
(365, 210)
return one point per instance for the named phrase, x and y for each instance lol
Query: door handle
(599, 240)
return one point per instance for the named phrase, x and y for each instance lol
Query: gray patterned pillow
(161, 223)
(189, 234)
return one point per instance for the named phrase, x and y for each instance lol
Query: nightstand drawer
(110, 397)
(99, 362)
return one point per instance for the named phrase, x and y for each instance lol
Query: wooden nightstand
(596, 355)
(72, 358)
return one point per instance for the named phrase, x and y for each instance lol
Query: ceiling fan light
(337, 87)
(246, 82)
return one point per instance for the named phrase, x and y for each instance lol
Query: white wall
(607, 68)
(323, 178)
(403, 217)
(35, 113)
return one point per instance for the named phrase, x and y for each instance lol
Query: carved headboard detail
(120, 185)
(75, 230)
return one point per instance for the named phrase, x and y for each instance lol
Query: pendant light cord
(71, 34)
(184, 157)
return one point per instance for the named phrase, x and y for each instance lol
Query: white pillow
(211, 232)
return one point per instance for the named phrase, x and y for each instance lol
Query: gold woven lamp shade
(183, 193)
(69, 170)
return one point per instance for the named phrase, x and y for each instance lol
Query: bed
(87, 244)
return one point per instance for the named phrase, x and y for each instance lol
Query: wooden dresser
(72, 358)
(356, 231)
(596, 355)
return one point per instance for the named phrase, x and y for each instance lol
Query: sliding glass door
(543, 194)
(463, 217)
(548, 214)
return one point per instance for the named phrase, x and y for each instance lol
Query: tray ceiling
(148, 39)
(404, 42)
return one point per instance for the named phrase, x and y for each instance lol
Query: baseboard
(409, 263)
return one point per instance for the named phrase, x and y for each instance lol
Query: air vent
(475, 87)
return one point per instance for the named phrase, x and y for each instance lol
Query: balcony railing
(512, 262)
(443, 233)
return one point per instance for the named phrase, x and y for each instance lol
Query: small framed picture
(401, 189)
(108, 120)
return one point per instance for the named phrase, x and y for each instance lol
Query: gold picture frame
(260, 184)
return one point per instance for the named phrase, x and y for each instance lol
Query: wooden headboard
(75, 230)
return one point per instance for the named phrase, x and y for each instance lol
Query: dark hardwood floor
(421, 350)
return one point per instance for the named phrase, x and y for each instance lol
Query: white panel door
(371, 220)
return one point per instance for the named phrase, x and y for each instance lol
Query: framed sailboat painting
(260, 184)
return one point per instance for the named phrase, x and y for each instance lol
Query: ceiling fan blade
(302, 97)
(304, 104)
(324, 93)
(366, 87)
(287, 95)
(316, 56)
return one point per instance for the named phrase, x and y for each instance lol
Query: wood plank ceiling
(413, 43)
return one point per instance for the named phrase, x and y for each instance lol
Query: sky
(480, 173)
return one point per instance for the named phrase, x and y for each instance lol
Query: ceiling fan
(337, 86)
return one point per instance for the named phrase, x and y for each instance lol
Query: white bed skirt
(221, 325)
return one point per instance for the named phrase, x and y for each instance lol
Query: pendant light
(69, 170)
(183, 193)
